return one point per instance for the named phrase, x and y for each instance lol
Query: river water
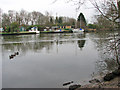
(48, 60)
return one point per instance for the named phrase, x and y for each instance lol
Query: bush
(14, 27)
(40, 27)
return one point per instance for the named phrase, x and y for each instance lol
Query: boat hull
(37, 32)
(78, 30)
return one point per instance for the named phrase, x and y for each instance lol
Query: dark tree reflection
(81, 43)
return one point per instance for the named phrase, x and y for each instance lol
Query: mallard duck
(11, 56)
(17, 53)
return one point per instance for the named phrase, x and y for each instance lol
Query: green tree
(60, 21)
(51, 20)
(81, 21)
(14, 27)
(56, 20)
(92, 26)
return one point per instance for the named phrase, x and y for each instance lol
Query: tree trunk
(0, 18)
(118, 3)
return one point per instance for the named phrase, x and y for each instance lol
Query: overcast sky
(61, 7)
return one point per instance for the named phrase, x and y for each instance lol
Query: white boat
(78, 30)
(34, 29)
(59, 30)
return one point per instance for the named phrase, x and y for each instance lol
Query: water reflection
(47, 60)
(106, 63)
(81, 43)
(38, 42)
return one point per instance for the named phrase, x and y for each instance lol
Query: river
(48, 60)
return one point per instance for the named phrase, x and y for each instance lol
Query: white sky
(60, 7)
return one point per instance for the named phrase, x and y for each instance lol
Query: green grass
(47, 31)
(14, 32)
(24, 32)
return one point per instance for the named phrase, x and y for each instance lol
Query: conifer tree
(81, 20)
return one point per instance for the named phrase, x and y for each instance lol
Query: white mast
(80, 21)
(76, 19)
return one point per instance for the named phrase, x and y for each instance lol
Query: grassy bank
(16, 33)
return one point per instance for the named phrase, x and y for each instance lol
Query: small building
(1, 29)
(55, 27)
(22, 29)
(47, 29)
(61, 27)
(68, 27)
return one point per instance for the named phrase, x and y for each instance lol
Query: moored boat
(78, 30)
(34, 29)
(59, 30)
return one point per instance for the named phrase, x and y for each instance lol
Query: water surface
(48, 60)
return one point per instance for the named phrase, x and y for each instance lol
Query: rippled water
(48, 60)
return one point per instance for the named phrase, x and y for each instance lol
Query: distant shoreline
(26, 33)
(2, 34)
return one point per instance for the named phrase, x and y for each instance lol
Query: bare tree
(39, 18)
(101, 7)
(5, 20)
(11, 14)
(34, 15)
(0, 17)
(109, 10)
(17, 17)
(118, 4)
(47, 19)
(23, 16)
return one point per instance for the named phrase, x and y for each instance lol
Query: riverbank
(98, 84)
(26, 32)
(41, 32)
(17, 33)
(110, 80)
(57, 32)
(115, 83)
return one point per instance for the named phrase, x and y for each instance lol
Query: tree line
(14, 19)
(106, 15)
